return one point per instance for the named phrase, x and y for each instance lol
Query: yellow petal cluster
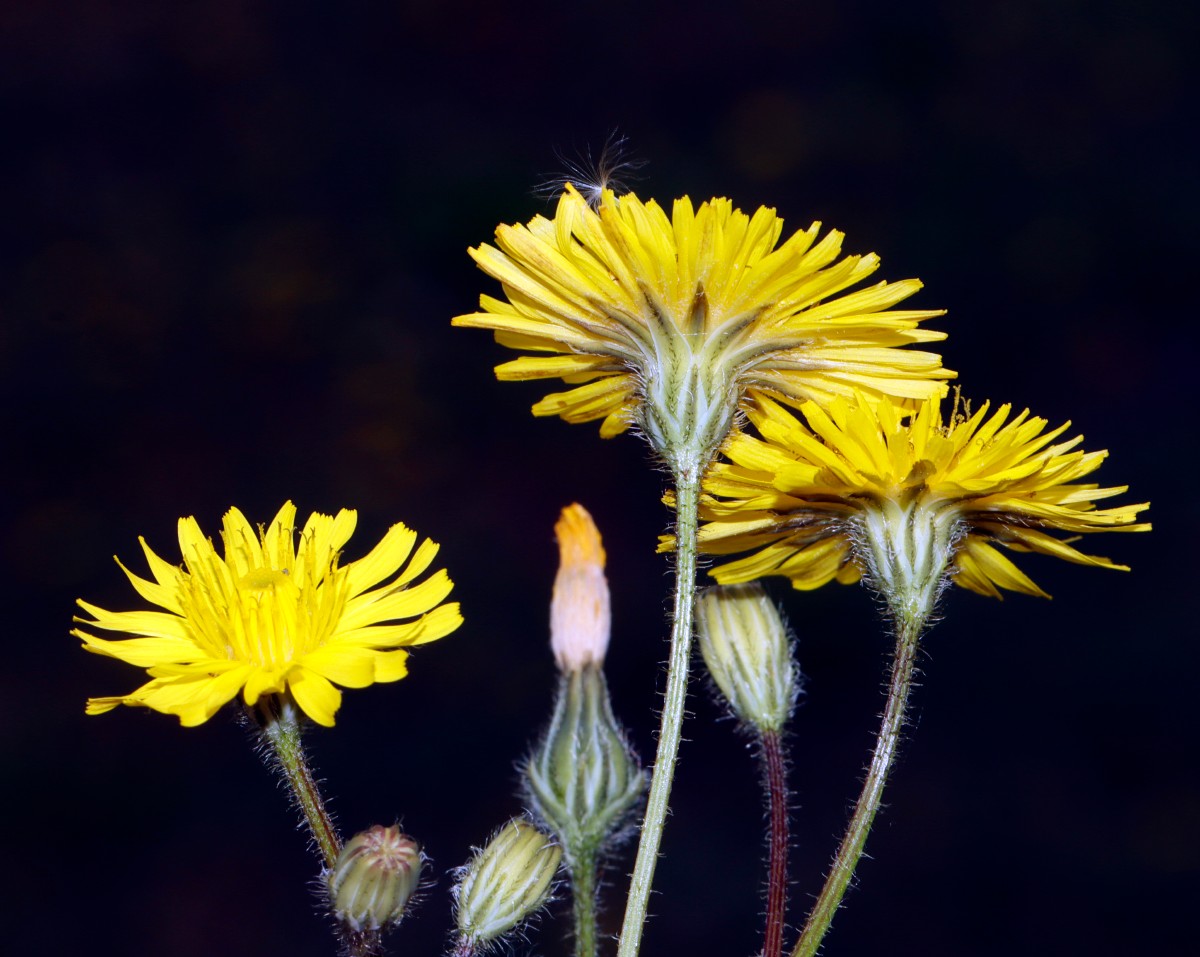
(624, 299)
(273, 616)
(798, 498)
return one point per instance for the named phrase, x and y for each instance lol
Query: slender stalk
(281, 730)
(583, 892)
(908, 630)
(687, 499)
(775, 777)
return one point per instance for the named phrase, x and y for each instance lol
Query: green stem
(281, 730)
(908, 630)
(583, 891)
(687, 499)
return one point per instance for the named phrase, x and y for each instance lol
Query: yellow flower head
(274, 618)
(673, 322)
(901, 496)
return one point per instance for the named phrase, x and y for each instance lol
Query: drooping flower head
(273, 617)
(904, 497)
(674, 322)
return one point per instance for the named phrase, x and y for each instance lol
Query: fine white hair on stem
(614, 168)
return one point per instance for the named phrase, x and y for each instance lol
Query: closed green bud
(584, 778)
(506, 882)
(375, 875)
(745, 645)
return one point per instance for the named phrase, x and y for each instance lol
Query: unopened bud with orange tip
(583, 777)
(580, 611)
(375, 875)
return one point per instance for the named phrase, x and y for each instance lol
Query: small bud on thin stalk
(583, 778)
(745, 644)
(584, 781)
(504, 884)
(375, 875)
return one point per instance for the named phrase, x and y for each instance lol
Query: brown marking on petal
(697, 317)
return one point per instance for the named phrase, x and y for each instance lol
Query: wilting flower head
(580, 611)
(905, 497)
(270, 617)
(674, 322)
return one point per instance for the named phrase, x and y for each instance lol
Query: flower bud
(375, 875)
(506, 882)
(584, 777)
(580, 613)
(745, 645)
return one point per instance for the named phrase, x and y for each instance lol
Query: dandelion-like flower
(271, 617)
(672, 323)
(905, 497)
(910, 501)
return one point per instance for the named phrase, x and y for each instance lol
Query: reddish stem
(777, 798)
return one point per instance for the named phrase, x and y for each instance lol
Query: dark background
(234, 237)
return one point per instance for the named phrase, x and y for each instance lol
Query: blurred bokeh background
(234, 235)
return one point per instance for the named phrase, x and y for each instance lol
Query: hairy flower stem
(908, 630)
(687, 499)
(775, 778)
(281, 730)
(360, 943)
(583, 892)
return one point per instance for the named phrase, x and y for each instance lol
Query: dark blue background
(234, 237)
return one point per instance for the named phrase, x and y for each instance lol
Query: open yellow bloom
(673, 322)
(271, 617)
(905, 497)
